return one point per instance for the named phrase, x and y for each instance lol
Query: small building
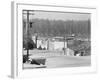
(50, 43)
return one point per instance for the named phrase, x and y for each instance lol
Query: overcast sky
(60, 16)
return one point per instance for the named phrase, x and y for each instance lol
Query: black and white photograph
(56, 39)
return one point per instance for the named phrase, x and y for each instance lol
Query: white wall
(5, 39)
(58, 45)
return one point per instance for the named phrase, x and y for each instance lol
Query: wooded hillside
(59, 27)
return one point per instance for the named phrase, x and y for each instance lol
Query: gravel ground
(67, 61)
(57, 59)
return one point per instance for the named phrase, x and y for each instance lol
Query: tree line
(45, 27)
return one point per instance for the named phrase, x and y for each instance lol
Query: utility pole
(27, 30)
(64, 44)
(65, 40)
(27, 33)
